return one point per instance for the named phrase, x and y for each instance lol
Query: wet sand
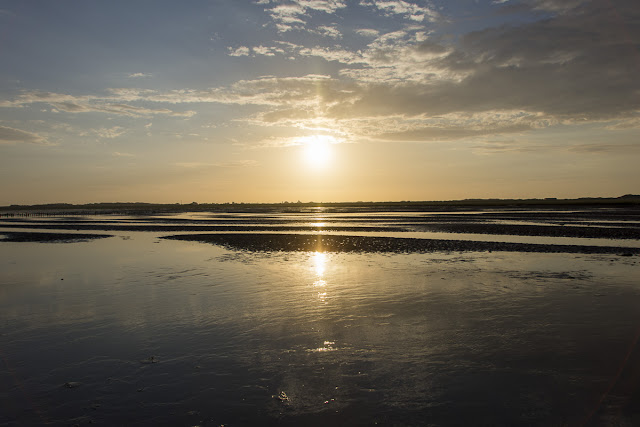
(274, 231)
(595, 223)
(334, 243)
(284, 329)
(591, 232)
(188, 227)
(458, 227)
(49, 237)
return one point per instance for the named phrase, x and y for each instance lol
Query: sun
(318, 151)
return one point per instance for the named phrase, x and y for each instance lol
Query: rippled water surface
(135, 330)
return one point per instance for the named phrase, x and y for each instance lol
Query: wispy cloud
(138, 75)
(367, 32)
(120, 154)
(237, 164)
(109, 133)
(630, 123)
(408, 10)
(9, 135)
(231, 164)
(328, 31)
(292, 15)
(91, 103)
(604, 147)
(267, 51)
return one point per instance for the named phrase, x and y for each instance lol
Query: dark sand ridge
(536, 230)
(332, 243)
(162, 228)
(7, 236)
(509, 229)
(335, 243)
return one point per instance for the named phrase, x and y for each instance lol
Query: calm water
(158, 332)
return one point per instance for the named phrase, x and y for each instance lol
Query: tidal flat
(484, 317)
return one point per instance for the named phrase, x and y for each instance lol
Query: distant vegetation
(628, 200)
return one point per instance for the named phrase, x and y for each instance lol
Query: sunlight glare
(317, 150)
(319, 263)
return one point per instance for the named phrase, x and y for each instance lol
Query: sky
(317, 100)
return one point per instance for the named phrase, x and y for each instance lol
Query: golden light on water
(319, 264)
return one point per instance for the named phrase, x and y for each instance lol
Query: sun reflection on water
(327, 346)
(319, 265)
(319, 261)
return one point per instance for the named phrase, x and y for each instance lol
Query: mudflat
(341, 317)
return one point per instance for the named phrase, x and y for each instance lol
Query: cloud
(555, 67)
(138, 75)
(419, 128)
(576, 65)
(102, 104)
(559, 6)
(327, 31)
(407, 10)
(368, 32)
(292, 14)
(326, 6)
(192, 165)
(292, 141)
(449, 133)
(109, 133)
(240, 51)
(9, 135)
(231, 164)
(286, 16)
(329, 54)
(119, 154)
(509, 146)
(601, 148)
(631, 123)
(267, 51)
(265, 91)
(237, 164)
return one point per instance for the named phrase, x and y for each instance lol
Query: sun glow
(318, 152)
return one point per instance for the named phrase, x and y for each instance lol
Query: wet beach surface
(611, 223)
(8, 236)
(333, 243)
(259, 327)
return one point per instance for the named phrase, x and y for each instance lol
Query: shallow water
(147, 331)
(380, 224)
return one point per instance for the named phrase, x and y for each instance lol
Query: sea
(135, 329)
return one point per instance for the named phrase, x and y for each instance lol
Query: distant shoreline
(629, 201)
